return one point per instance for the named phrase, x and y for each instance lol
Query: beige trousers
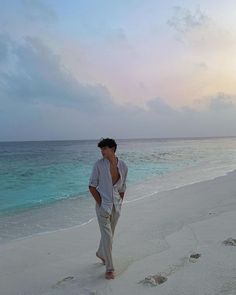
(107, 223)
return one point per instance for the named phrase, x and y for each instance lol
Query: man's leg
(100, 249)
(106, 236)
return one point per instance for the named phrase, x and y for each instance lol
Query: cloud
(184, 20)
(218, 102)
(160, 107)
(221, 101)
(41, 99)
(40, 77)
(196, 28)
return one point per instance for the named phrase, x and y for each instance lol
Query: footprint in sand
(62, 281)
(229, 242)
(194, 256)
(154, 280)
(160, 278)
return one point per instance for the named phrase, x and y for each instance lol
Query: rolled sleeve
(123, 187)
(94, 177)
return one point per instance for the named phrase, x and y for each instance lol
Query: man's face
(107, 152)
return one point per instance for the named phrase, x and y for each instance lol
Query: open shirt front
(101, 179)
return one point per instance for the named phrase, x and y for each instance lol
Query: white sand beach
(154, 235)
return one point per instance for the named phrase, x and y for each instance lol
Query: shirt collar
(118, 162)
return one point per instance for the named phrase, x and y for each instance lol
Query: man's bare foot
(103, 260)
(110, 275)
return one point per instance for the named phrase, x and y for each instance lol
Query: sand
(153, 241)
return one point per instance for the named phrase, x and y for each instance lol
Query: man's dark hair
(110, 142)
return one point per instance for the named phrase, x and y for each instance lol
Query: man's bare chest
(115, 175)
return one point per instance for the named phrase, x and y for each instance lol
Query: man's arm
(95, 194)
(93, 183)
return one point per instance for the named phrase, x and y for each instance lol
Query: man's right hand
(95, 194)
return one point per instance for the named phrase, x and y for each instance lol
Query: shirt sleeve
(94, 177)
(123, 187)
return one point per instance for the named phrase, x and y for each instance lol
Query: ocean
(44, 184)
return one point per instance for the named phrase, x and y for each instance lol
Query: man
(107, 184)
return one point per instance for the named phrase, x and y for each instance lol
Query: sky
(122, 69)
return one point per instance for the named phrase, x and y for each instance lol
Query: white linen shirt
(101, 179)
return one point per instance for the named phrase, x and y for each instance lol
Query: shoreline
(141, 190)
(155, 234)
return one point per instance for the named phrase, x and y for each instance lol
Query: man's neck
(113, 160)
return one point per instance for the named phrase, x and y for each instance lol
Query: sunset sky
(123, 69)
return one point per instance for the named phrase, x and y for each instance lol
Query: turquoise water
(51, 175)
